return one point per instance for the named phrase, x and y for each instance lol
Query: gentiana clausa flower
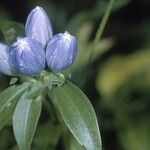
(61, 51)
(29, 55)
(38, 26)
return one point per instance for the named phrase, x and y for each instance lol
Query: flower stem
(102, 26)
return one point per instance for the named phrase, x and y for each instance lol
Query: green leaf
(8, 101)
(35, 90)
(11, 30)
(25, 120)
(13, 80)
(71, 143)
(78, 114)
(3, 83)
(5, 139)
(46, 135)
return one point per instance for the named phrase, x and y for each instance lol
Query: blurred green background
(117, 81)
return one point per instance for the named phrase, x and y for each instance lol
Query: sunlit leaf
(25, 120)
(8, 101)
(78, 114)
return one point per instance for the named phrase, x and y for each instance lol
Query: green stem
(102, 26)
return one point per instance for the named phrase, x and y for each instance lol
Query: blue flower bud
(61, 51)
(38, 26)
(27, 56)
(5, 63)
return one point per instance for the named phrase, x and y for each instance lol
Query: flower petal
(5, 62)
(38, 26)
(61, 51)
(27, 56)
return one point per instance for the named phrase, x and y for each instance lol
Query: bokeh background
(117, 81)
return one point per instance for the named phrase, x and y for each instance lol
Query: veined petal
(61, 51)
(38, 26)
(27, 56)
(5, 62)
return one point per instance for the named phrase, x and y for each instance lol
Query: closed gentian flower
(61, 51)
(38, 26)
(27, 56)
(5, 64)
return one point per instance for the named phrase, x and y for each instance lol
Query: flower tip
(38, 8)
(67, 36)
(61, 51)
(38, 26)
(21, 42)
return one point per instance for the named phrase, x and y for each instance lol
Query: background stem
(101, 27)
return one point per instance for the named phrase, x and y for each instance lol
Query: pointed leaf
(25, 120)
(8, 101)
(78, 114)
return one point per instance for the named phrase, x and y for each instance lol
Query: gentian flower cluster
(30, 54)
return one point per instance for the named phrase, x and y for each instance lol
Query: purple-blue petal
(5, 63)
(38, 26)
(61, 51)
(27, 56)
